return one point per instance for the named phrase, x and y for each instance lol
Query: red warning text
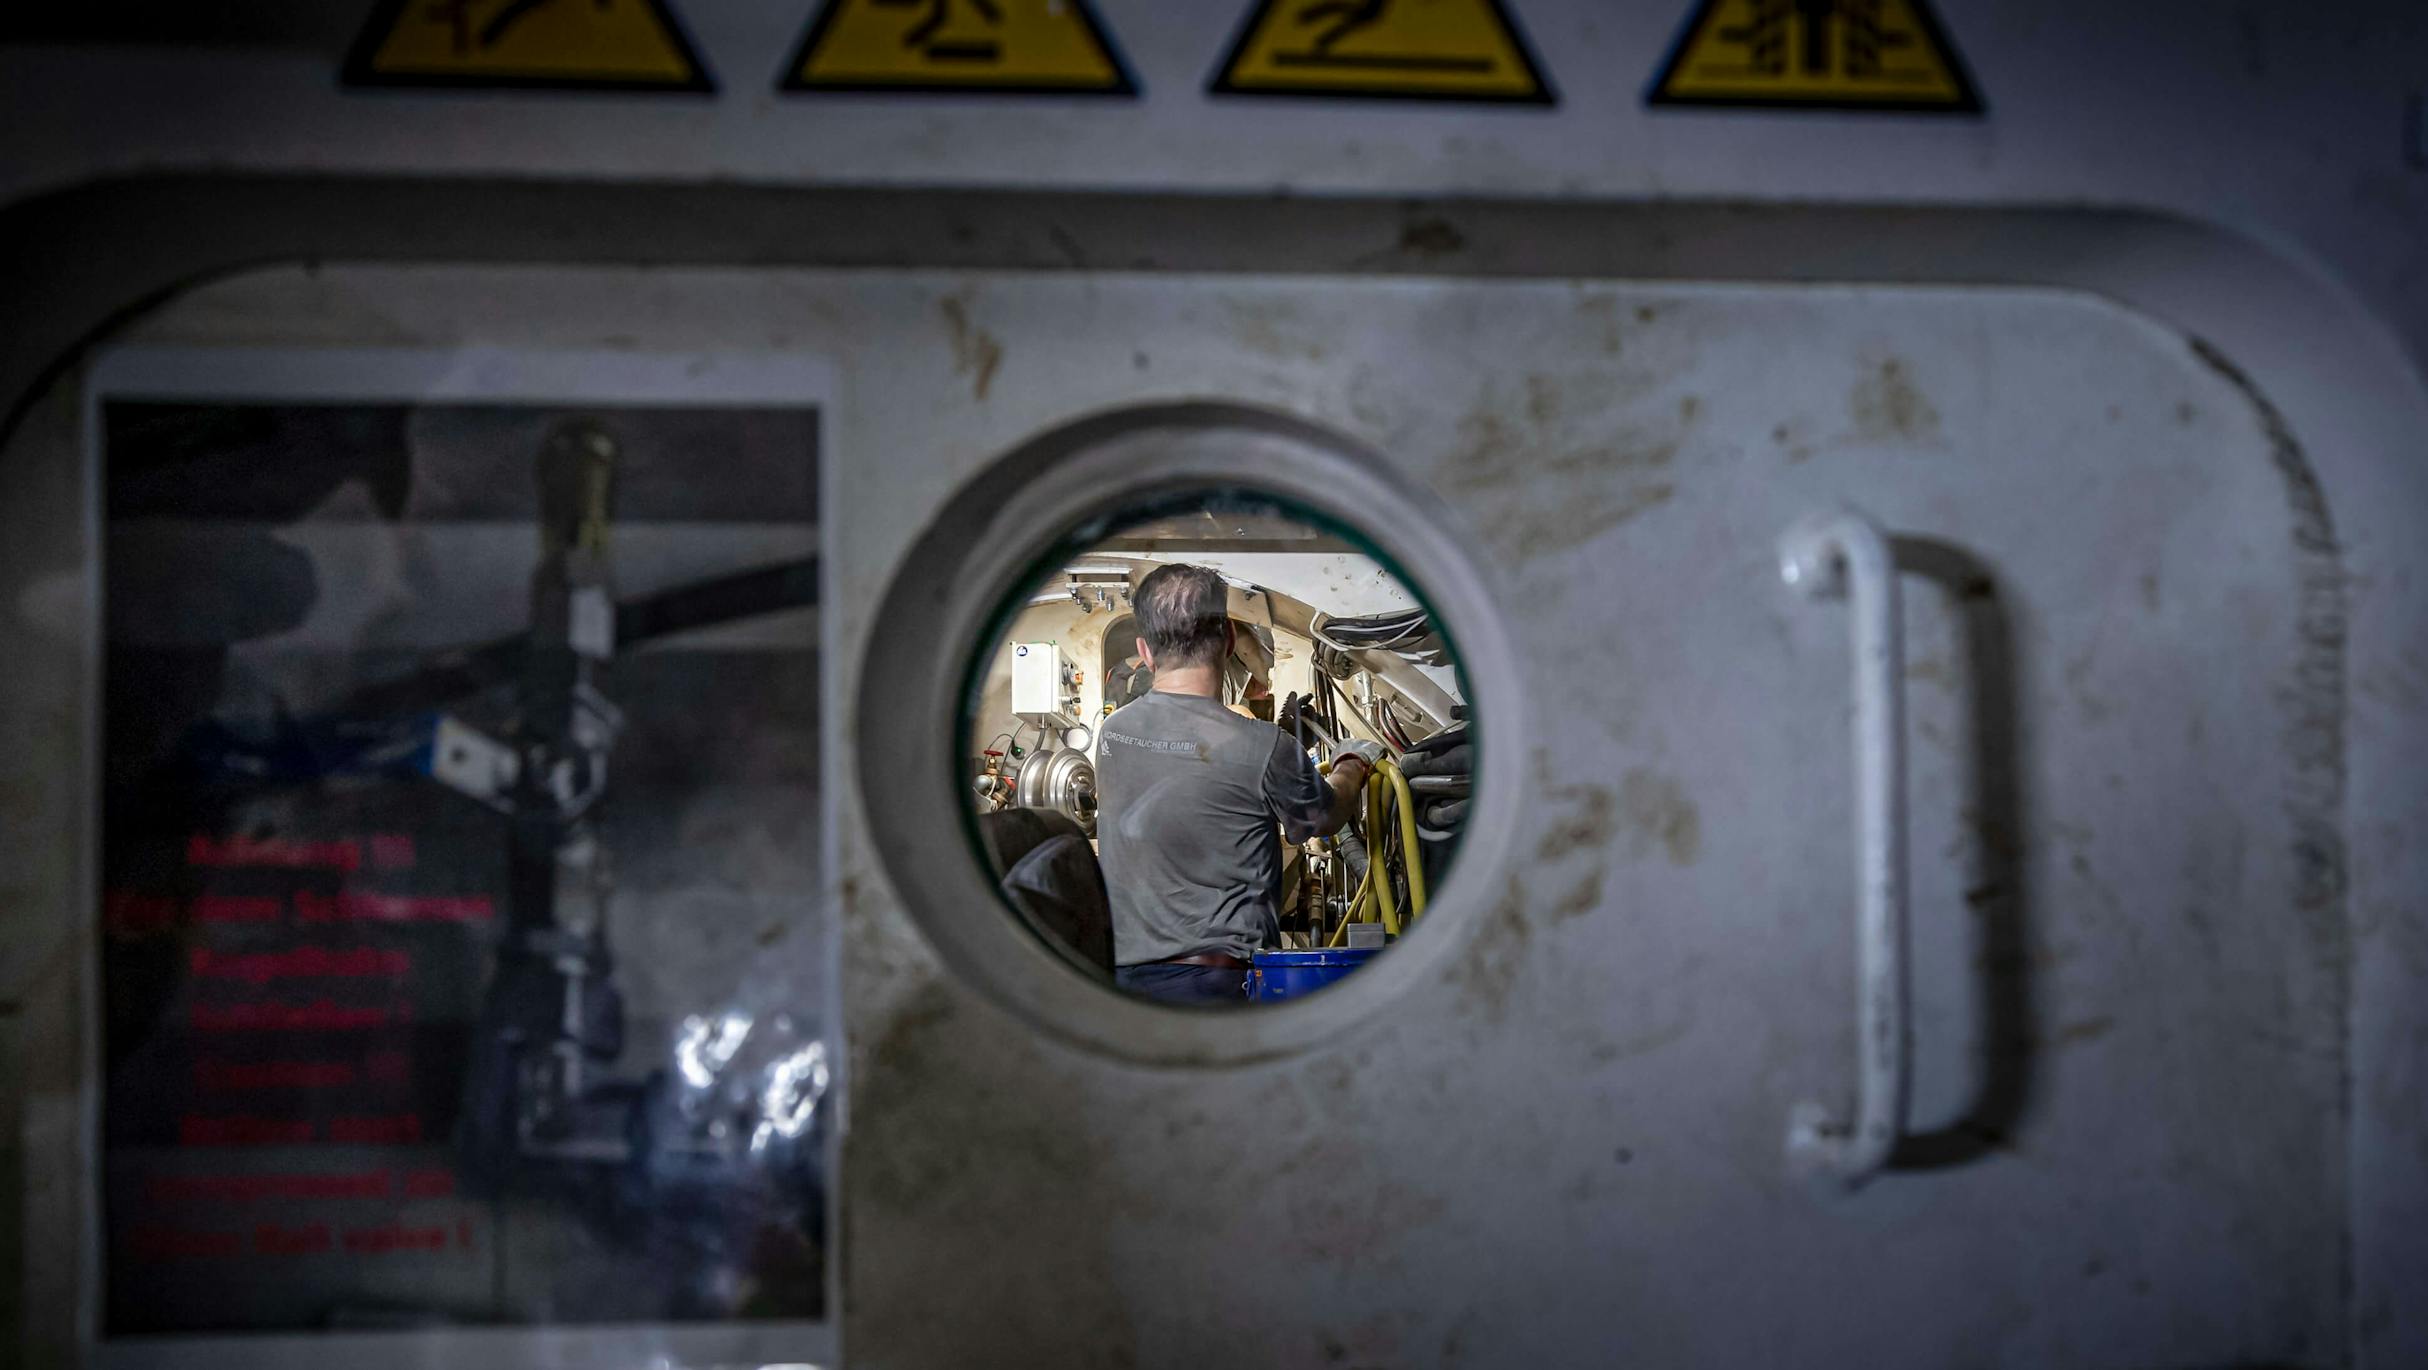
(299, 963)
(320, 1015)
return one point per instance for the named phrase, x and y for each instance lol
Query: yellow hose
(1409, 854)
(1384, 787)
(1377, 854)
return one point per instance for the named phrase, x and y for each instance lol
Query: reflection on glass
(460, 954)
(1220, 755)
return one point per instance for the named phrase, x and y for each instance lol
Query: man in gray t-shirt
(1193, 801)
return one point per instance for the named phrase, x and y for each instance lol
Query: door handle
(1831, 555)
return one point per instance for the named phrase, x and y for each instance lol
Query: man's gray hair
(1182, 611)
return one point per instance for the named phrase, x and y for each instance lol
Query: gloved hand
(1366, 752)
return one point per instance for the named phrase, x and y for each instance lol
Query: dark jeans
(1178, 984)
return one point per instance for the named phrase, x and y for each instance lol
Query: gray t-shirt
(1189, 795)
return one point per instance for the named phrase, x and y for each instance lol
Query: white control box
(1045, 688)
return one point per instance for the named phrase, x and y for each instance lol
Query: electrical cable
(1406, 633)
(1333, 627)
(1379, 719)
(1392, 732)
(1416, 630)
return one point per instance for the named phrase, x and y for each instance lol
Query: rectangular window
(462, 952)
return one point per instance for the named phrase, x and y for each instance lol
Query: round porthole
(1187, 734)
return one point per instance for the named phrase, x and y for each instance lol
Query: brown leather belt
(1206, 958)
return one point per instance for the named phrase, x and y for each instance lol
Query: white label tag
(591, 623)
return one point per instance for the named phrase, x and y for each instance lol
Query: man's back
(1189, 794)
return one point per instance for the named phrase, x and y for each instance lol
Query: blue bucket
(1289, 974)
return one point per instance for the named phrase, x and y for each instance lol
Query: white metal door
(1569, 1145)
(2126, 956)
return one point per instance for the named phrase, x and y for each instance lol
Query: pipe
(1376, 808)
(1354, 912)
(1389, 771)
(1386, 788)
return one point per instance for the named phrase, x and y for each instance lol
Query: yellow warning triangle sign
(1011, 47)
(1827, 54)
(1386, 49)
(526, 44)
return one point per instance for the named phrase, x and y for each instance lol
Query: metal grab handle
(1827, 556)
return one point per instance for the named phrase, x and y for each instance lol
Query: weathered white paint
(2266, 139)
(2281, 121)
(1672, 946)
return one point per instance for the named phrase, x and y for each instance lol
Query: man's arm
(1312, 805)
(1348, 784)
